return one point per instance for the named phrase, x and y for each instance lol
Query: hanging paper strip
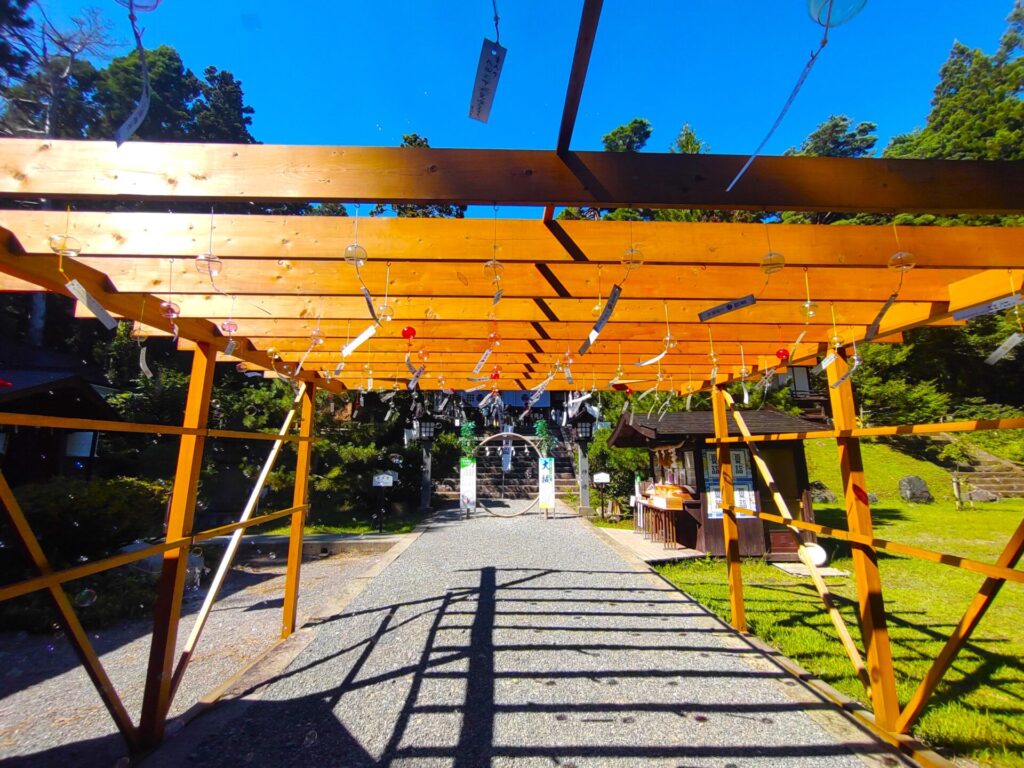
(353, 345)
(654, 359)
(415, 380)
(849, 372)
(143, 365)
(729, 306)
(825, 363)
(78, 291)
(602, 321)
(988, 308)
(488, 71)
(1003, 349)
(134, 120)
(482, 361)
(792, 349)
(873, 328)
(369, 304)
(229, 348)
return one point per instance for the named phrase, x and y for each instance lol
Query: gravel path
(50, 714)
(519, 642)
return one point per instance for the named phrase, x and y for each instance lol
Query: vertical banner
(744, 493)
(467, 484)
(488, 71)
(546, 472)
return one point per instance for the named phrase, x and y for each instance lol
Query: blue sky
(365, 73)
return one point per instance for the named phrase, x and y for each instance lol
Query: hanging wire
(497, 19)
(789, 102)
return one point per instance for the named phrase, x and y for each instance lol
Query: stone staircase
(990, 473)
(520, 482)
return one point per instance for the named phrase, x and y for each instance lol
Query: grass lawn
(978, 710)
(604, 522)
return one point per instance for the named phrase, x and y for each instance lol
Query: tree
(431, 211)
(631, 137)
(221, 114)
(977, 111)
(836, 137)
(53, 74)
(15, 27)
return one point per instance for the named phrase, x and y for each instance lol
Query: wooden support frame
(730, 528)
(300, 499)
(159, 676)
(870, 602)
(819, 583)
(67, 617)
(1011, 554)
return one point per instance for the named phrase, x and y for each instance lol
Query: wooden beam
(300, 238)
(33, 168)
(730, 527)
(578, 74)
(870, 601)
(300, 498)
(156, 699)
(52, 274)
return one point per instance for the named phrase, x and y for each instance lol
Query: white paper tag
(1004, 349)
(602, 321)
(825, 363)
(481, 361)
(143, 365)
(230, 347)
(83, 296)
(488, 71)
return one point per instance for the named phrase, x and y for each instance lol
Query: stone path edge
(853, 713)
(278, 656)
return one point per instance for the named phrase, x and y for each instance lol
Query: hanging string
(60, 251)
(497, 18)
(789, 102)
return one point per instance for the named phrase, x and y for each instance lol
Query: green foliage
(15, 26)
(445, 453)
(77, 520)
(545, 440)
(977, 112)
(622, 464)
(886, 397)
(467, 438)
(1006, 443)
(631, 137)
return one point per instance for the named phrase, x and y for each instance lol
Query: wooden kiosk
(680, 502)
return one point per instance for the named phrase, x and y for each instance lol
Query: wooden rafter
(210, 172)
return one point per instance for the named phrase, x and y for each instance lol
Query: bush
(77, 521)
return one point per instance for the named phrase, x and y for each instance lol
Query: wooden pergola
(286, 284)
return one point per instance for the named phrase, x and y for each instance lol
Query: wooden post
(729, 526)
(300, 498)
(871, 604)
(157, 696)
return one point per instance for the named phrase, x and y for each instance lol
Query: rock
(980, 494)
(821, 494)
(913, 488)
(872, 499)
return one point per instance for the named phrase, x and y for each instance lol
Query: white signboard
(383, 481)
(744, 493)
(601, 478)
(467, 484)
(546, 472)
